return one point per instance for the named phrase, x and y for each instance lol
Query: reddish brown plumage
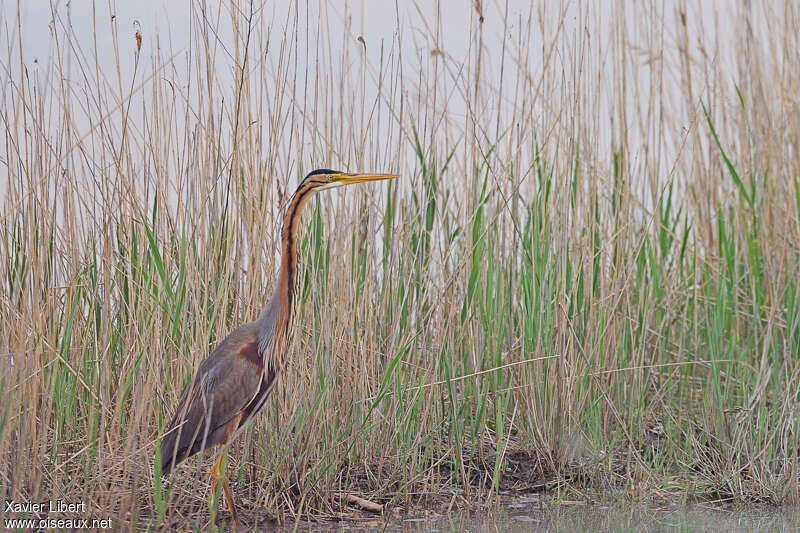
(288, 269)
(250, 352)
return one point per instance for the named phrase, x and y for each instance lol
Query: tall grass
(586, 280)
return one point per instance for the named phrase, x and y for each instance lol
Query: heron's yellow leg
(229, 499)
(228, 494)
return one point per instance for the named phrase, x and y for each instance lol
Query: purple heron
(233, 383)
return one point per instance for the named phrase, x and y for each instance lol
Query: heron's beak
(347, 179)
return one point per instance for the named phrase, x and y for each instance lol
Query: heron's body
(231, 386)
(219, 393)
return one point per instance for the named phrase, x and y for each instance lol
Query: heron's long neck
(290, 244)
(276, 318)
(289, 253)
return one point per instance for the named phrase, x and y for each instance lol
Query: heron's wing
(225, 384)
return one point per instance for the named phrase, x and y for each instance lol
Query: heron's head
(325, 178)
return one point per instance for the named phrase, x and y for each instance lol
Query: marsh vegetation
(586, 282)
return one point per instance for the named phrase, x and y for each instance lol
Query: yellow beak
(347, 179)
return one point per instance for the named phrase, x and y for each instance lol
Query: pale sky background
(424, 26)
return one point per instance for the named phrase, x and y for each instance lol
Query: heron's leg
(215, 477)
(229, 499)
(215, 473)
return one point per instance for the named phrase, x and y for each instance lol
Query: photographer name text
(52, 506)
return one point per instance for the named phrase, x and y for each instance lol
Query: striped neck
(290, 244)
